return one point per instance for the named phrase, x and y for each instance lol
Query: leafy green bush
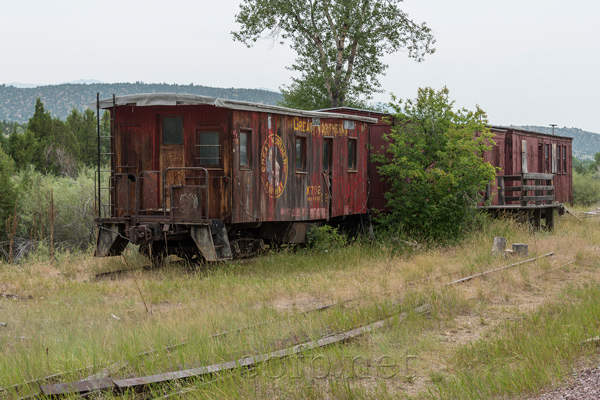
(586, 188)
(73, 207)
(435, 167)
(325, 237)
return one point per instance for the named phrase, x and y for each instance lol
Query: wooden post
(520, 249)
(501, 191)
(523, 191)
(538, 192)
(498, 246)
(51, 226)
(550, 183)
(11, 230)
(537, 218)
(549, 219)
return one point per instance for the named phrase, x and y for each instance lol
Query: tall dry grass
(78, 321)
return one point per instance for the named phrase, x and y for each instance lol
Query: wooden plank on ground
(138, 383)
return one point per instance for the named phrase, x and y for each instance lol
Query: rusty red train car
(515, 152)
(195, 175)
(518, 151)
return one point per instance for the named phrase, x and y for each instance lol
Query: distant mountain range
(17, 104)
(585, 144)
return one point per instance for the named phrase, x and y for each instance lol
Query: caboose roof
(176, 99)
(528, 132)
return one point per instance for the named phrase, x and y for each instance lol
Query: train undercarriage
(210, 240)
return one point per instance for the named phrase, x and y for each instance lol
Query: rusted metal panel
(140, 148)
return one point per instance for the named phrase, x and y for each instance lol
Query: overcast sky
(528, 62)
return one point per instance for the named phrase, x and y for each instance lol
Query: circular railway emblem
(273, 166)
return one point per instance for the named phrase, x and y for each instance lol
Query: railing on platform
(518, 189)
(150, 193)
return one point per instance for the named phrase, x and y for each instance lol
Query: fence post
(11, 230)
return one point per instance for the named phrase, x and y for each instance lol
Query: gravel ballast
(585, 385)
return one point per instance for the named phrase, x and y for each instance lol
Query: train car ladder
(104, 184)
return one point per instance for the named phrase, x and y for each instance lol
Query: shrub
(586, 188)
(73, 207)
(325, 237)
(435, 167)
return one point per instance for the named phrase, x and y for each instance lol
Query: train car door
(171, 153)
(328, 172)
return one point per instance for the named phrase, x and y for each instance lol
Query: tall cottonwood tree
(340, 43)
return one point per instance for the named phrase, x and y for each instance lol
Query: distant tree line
(35, 154)
(51, 145)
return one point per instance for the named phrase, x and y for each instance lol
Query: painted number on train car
(313, 193)
(274, 166)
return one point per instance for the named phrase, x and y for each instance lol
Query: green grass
(526, 356)
(69, 325)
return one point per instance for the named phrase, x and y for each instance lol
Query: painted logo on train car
(273, 166)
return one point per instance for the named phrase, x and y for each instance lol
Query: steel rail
(468, 278)
(120, 386)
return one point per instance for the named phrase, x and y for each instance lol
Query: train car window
(300, 153)
(559, 160)
(316, 122)
(327, 147)
(547, 158)
(209, 148)
(352, 154)
(564, 159)
(245, 146)
(348, 124)
(172, 130)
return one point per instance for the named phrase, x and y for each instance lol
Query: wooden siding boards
(377, 186)
(138, 138)
(518, 144)
(269, 188)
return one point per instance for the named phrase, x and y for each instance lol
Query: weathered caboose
(518, 151)
(535, 176)
(194, 175)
